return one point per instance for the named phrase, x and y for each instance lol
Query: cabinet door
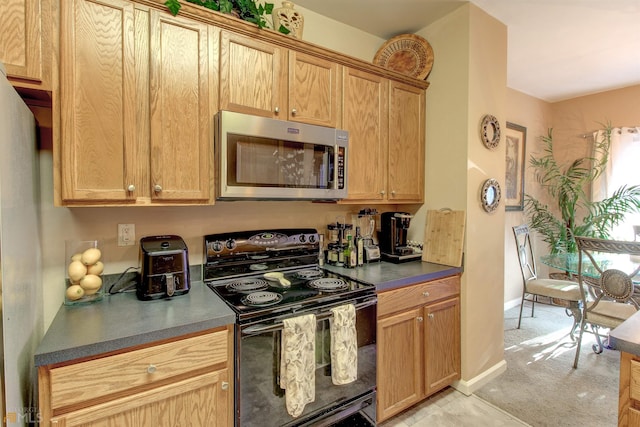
(406, 143)
(365, 116)
(97, 84)
(313, 90)
(252, 76)
(442, 344)
(198, 401)
(399, 365)
(180, 134)
(24, 28)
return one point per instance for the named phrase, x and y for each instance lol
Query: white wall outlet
(126, 234)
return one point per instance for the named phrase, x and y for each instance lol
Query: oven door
(259, 399)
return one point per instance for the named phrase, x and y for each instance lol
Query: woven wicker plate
(407, 54)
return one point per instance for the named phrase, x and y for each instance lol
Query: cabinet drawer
(417, 295)
(84, 381)
(634, 385)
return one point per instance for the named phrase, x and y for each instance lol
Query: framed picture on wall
(516, 140)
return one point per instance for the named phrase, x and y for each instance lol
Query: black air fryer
(164, 267)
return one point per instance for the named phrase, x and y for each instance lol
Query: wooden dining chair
(534, 287)
(606, 272)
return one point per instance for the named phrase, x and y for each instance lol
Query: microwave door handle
(336, 160)
(278, 326)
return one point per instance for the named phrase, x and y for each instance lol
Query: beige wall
(576, 117)
(468, 81)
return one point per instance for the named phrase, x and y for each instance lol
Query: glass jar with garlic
(84, 267)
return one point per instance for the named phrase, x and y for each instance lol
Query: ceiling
(557, 49)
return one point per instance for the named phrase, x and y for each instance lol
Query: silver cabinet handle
(425, 294)
(151, 369)
(419, 318)
(294, 111)
(393, 192)
(276, 110)
(157, 188)
(382, 192)
(225, 385)
(430, 316)
(131, 188)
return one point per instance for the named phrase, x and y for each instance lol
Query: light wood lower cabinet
(629, 402)
(418, 343)
(186, 381)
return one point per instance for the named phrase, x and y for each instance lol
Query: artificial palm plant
(569, 187)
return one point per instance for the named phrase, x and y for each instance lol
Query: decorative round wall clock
(490, 131)
(490, 195)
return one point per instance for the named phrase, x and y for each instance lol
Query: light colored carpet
(540, 386)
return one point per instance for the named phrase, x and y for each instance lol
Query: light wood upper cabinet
(98, 101)
(26, 43)
(180, 117)
(385, 120)
(267, 80)
(252, 76)
(138, 88)
(135, 106)
(406, 143)
(365, 116)
(313, 90)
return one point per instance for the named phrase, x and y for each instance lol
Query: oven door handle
(260, 328)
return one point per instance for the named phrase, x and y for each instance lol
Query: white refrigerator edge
(21, 305)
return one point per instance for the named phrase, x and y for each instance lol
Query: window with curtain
(623, 168)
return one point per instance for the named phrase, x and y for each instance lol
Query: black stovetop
(302, 294)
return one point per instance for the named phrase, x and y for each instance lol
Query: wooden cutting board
(444, 237)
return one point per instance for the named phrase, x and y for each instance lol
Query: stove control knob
(312, 238)
(216, 246)
(230, 244)
(303, 238)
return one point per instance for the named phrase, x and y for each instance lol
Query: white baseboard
(468, 387)
(512, 303)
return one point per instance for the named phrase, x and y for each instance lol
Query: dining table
(568, 262)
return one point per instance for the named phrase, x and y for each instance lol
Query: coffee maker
(393, 237)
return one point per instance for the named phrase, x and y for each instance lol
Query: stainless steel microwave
(263, 158)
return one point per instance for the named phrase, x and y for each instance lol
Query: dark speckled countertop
(386, 275)
(121, 320)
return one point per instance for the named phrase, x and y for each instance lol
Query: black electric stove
(295, 285)
(238, 267)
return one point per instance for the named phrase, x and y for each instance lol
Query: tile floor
(450, 408)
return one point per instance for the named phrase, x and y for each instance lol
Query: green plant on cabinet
(247, 10)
